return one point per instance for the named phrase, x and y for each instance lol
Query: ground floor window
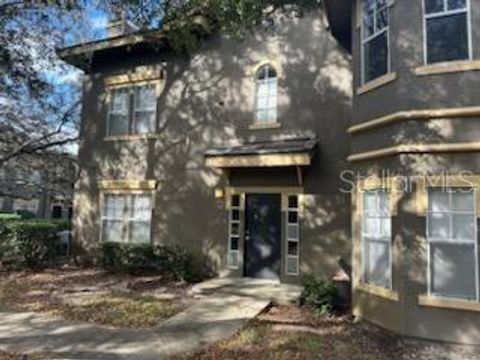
(377, 239)
(127, 217)
(234, 232)
(293, 236)
(452, 243)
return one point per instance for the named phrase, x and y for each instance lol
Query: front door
(263, 234)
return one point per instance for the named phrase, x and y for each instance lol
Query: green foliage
(134, 258)
(31, 243)
(186, 21)
(9, 216)
(318, 294)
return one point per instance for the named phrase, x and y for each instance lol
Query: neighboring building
(39, 187)
(241, 152)
(416, 113)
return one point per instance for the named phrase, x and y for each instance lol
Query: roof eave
(78, 55)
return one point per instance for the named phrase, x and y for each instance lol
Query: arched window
(266, 102)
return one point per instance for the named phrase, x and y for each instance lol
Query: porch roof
(276, 153)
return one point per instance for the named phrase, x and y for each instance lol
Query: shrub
(134, 258)
(9, 216)
(30, 242)
(318, 294)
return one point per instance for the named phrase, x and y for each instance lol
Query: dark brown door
(263, 234)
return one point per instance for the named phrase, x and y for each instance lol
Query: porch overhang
(259, 161)
(280, 153)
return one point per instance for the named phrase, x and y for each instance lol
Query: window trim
(269, 122)
(362, 237)
(127, 219)
(430, 294)
(297, 210)
(426, 17)
(364, 41)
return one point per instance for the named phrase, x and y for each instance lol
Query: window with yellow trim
(452, 243)
(126, 218)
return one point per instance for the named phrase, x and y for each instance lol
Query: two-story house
(244, 151)
(233, 152)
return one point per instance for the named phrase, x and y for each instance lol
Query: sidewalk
(209, 319)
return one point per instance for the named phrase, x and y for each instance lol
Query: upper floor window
(266, 102)
(375, 40)
(132, 110)
(447, 30)
(377, 239)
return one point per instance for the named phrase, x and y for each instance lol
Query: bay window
(452, 243)
(375, 39)
(446, 30)
(127, 218)
(377, 239)
(132, 110)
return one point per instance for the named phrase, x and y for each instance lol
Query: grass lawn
(292, 333)
(117, 300)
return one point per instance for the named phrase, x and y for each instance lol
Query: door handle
(247, 236)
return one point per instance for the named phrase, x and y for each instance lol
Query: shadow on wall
(208, 100)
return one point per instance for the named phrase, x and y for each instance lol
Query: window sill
(266, 126)
(131, 137)
(378, 291)
(445, 303)
(448, 67)
(378, 82)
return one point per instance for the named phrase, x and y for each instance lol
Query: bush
(9, 216)
(134, 258)
(318, 294)
(31, 243)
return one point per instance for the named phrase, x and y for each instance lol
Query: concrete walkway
(212, 317)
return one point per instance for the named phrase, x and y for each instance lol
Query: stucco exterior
(207, 100)
(409, 91)
(413, 123)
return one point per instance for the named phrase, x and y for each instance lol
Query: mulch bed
(96, 296)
